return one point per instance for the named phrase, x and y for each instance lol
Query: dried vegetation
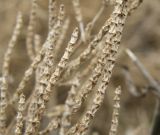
(57, 71)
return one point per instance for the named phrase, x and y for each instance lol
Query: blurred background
(141, 35)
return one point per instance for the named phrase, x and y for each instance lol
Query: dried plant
(86, 73)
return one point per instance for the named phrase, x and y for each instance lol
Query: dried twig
(52, 14)
(5, 73)
(78, 13)
(20, 117)
(115, 114)
(143, 70)
(41, 96)
(31, 30)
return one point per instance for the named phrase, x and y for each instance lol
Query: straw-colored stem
(52, 14)
(41, 96)
(115, 114)
(5, 73)
(20, 115)
(31, 31)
